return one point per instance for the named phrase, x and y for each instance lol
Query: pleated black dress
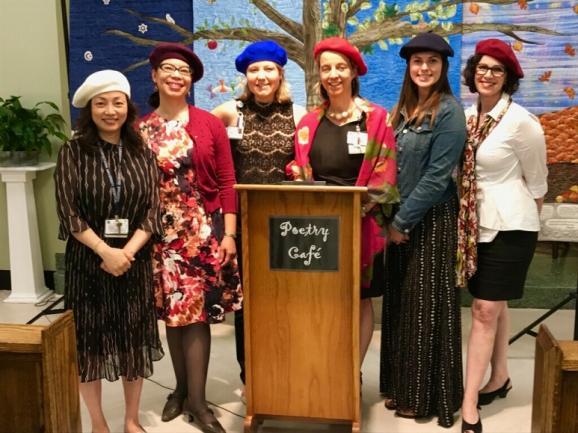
(421, 351)
(116, 326)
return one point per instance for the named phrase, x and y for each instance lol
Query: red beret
(502, 52)
(341, 46)
(173, 50)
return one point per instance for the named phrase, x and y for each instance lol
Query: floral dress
(190, 284)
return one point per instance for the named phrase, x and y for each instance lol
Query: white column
(26, 269)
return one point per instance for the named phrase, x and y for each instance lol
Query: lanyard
(115, 185)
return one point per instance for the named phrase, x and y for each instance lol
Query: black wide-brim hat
(427, 41)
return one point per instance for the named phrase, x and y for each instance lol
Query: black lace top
(267, 143)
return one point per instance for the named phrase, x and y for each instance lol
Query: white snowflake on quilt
(106, 2)
(143, 28)
(88, 56)
(169, 18)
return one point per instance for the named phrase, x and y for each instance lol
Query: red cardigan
(213, 160)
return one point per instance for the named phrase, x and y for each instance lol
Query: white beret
(99, 82)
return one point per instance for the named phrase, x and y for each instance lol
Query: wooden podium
(555, 400)
(39, 378)
(301, 279)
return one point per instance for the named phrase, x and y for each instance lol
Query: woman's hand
(396, 236)
(366, 208)
(227, 250)
(115, 261)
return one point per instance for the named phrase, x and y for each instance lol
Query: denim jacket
(426, 158)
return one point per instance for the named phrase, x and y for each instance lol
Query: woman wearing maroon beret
(503, 182)
(346, 141)
(195, 271)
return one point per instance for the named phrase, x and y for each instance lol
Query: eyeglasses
(497, 71)
(171, 69)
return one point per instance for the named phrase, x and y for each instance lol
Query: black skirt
(503, 265)
(421, 348)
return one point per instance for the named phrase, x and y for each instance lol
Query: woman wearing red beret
(503, 182)
(421, 351)
(195, 271)
(346, 141)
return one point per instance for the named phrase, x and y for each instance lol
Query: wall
(33, 65)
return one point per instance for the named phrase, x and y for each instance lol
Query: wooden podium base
(301, 276)
(253, 422)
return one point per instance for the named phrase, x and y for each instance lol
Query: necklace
(341, 115)
(263, 104)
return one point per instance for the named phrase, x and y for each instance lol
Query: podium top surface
(299, 188)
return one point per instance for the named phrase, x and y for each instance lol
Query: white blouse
(511, 172)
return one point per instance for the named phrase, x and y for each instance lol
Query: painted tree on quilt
(368, 25)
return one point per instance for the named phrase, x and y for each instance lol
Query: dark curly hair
(86, 132)
(511, 83)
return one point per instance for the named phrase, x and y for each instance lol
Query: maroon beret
(341, 46)
(502, 52)
(173, 50)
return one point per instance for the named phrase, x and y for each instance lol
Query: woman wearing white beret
(108, 207)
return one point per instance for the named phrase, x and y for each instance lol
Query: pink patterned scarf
(377, 173)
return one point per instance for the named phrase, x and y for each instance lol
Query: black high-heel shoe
(485, 398)
(473, 428)
(194, 418)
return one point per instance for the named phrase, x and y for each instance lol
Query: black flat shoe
(485, 398)
(389, 403)
(472, 428)
(173, 407)
(194, 418)
(406, 413)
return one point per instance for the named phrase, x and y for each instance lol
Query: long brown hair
(409, 98)
(86, 132)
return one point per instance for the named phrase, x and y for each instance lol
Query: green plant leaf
(25, 129)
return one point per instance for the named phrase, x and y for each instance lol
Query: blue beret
(427, 41)
(261, 51)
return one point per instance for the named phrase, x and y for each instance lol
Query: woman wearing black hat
(108, 205)
(195, 271)
(503, 182)
(421, 367)
(260, 124)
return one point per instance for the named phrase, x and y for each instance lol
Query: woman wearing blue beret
(260, 124)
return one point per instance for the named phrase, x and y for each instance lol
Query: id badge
(116, 228)
(356, 142)
(236, 132)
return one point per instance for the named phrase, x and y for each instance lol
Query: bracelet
(231, 235)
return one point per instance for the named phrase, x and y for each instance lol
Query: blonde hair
(282, 94)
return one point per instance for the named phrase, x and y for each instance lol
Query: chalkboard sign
(304, 243)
